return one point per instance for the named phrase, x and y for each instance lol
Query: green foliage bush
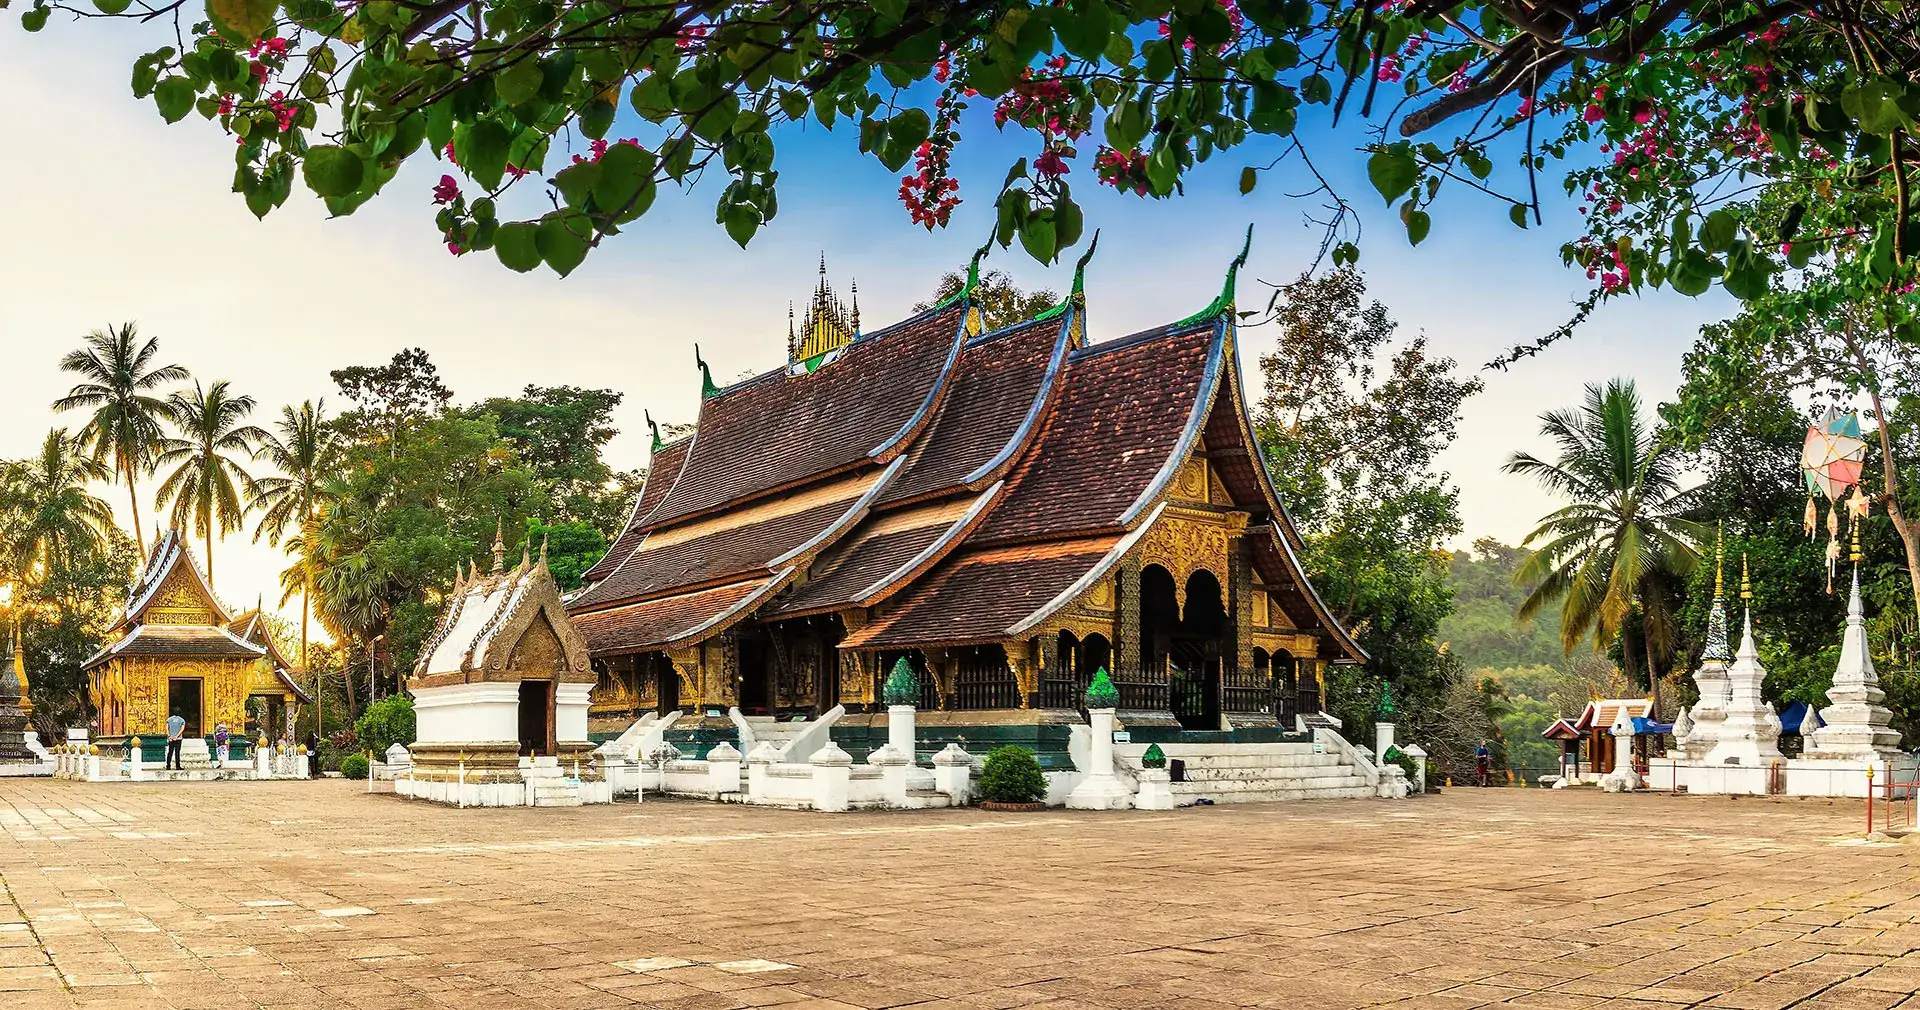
(386, 722)
(354, 766)
(1012, 776)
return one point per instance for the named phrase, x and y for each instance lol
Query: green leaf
(517, 246)
(714, 123)
(1316, 89)
(1038, 238)
(112, 6)
(518, 83)
(484, 152)
(1346, 254)
(1393, 170)
(576, 183)
(1084, 30)
(242, 20)
(909, 130)
(1720, 231)
(35, 19)
(563, 238)
(596, 118)
(651, 98)
(333, 171)
(174, 96)
(1518, 214)
(626, 187)
(1418, 224)
(1067, 223)
(1249, 177)
(741, 220)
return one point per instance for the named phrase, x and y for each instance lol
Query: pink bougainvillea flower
(447, 191)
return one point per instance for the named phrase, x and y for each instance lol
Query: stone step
(1280, 795)
(1233, 774)
(1265, 761)
(1269, 784)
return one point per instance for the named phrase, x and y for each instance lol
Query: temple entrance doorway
(536, 718)
(756, 680)
(183, 700)
(666, 683)
(1187, 643)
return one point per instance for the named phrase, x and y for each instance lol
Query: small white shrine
(500, 695)
(1729, 741)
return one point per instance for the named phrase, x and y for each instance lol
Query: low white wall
(460, 713)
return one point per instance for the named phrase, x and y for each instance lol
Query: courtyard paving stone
(319, 895)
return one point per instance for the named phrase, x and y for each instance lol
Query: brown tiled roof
(753, 539)
(661, 470)
(882, 555)
(778, 429)
(990, 409)
(180, 640)
(638, 627)
(1123, 412)
(981, 596)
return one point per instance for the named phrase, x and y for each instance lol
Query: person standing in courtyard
(176, 726)
(1482, 764)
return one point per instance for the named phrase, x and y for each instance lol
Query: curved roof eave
(1092, 575)
(1189, 435)
(1042, 400)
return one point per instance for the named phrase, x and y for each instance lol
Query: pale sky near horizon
(111, 215)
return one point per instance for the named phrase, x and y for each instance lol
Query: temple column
(1047, 650)
(1022, 660)
(686, 665)
(1240, 602)
(1126, 615)
(940, 668)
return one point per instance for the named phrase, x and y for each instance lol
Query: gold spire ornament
(1746, 584)
(1856, 544)
(499, 546)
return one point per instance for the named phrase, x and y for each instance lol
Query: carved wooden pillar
(686, 665)
(1240, 602)
(1051, 665)
(1126, 614)
(1023, 660)
(723, 670)
(940, 668)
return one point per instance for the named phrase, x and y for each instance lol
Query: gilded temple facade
(1008, 510)
(177, 650)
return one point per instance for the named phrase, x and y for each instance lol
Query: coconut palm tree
(350, 584)
(1622, 543)
(51, 517)
(304, 449)
(118, 381)
(207, 487)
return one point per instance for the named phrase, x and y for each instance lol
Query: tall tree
(1002, 303)
(208, 486)
(387, 398)
(305, 450)
(559, 432)
(118, 380)
(1622, 543)
(52, 519)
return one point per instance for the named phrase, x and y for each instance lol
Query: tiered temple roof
(954, 485)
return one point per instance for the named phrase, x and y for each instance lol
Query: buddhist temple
(176, 650)
(1008, 510)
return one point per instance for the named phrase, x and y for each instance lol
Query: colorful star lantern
(1831, 461)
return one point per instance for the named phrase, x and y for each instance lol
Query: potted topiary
(354, 766)
(1011, 780)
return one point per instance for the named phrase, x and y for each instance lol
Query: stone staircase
(1258, 773)
(551, 786)
(766, 728)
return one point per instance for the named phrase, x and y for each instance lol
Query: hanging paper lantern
(1831, 460)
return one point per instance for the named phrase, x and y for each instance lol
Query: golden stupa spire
(499, 546)
(1746, 584)
(1720, 561)
(827, 325)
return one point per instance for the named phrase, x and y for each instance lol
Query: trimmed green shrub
(1012, 776)
(386, 722)
(354, 766)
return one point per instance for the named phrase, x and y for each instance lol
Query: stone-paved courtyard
(317, 895)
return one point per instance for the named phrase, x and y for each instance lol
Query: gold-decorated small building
(176, 650)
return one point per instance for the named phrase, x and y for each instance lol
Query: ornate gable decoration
(172, 590)
(507, 623)
(827, 326)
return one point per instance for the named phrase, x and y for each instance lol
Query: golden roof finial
(499, 546)
(1746, 584)
(856, 305)
(1856, 540)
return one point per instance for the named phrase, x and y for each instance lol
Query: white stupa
(1749, 732)
(1710, 680)
(1856, 725)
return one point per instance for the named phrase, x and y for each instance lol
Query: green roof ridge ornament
(902, 687)
(1386, 710)
(1101, 693)
(973, 279)
(652, 427)
(707, 388)
(1077, 296)
(1224, 303)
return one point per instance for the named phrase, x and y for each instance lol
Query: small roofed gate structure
(1009, 510)
(504, 676)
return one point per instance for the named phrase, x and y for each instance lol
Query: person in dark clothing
(313, 755)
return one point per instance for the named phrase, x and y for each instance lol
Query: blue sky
(111, 215)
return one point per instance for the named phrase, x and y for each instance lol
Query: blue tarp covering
(1643, 726)
(1793, 715)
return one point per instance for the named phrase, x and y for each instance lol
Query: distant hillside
(1481, 630)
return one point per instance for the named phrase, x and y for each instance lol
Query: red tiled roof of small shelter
(777, 430)
(716, 549)
(1122, 411)
(987, 407)
(638, 627)
(661, 470)
(980, 596)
